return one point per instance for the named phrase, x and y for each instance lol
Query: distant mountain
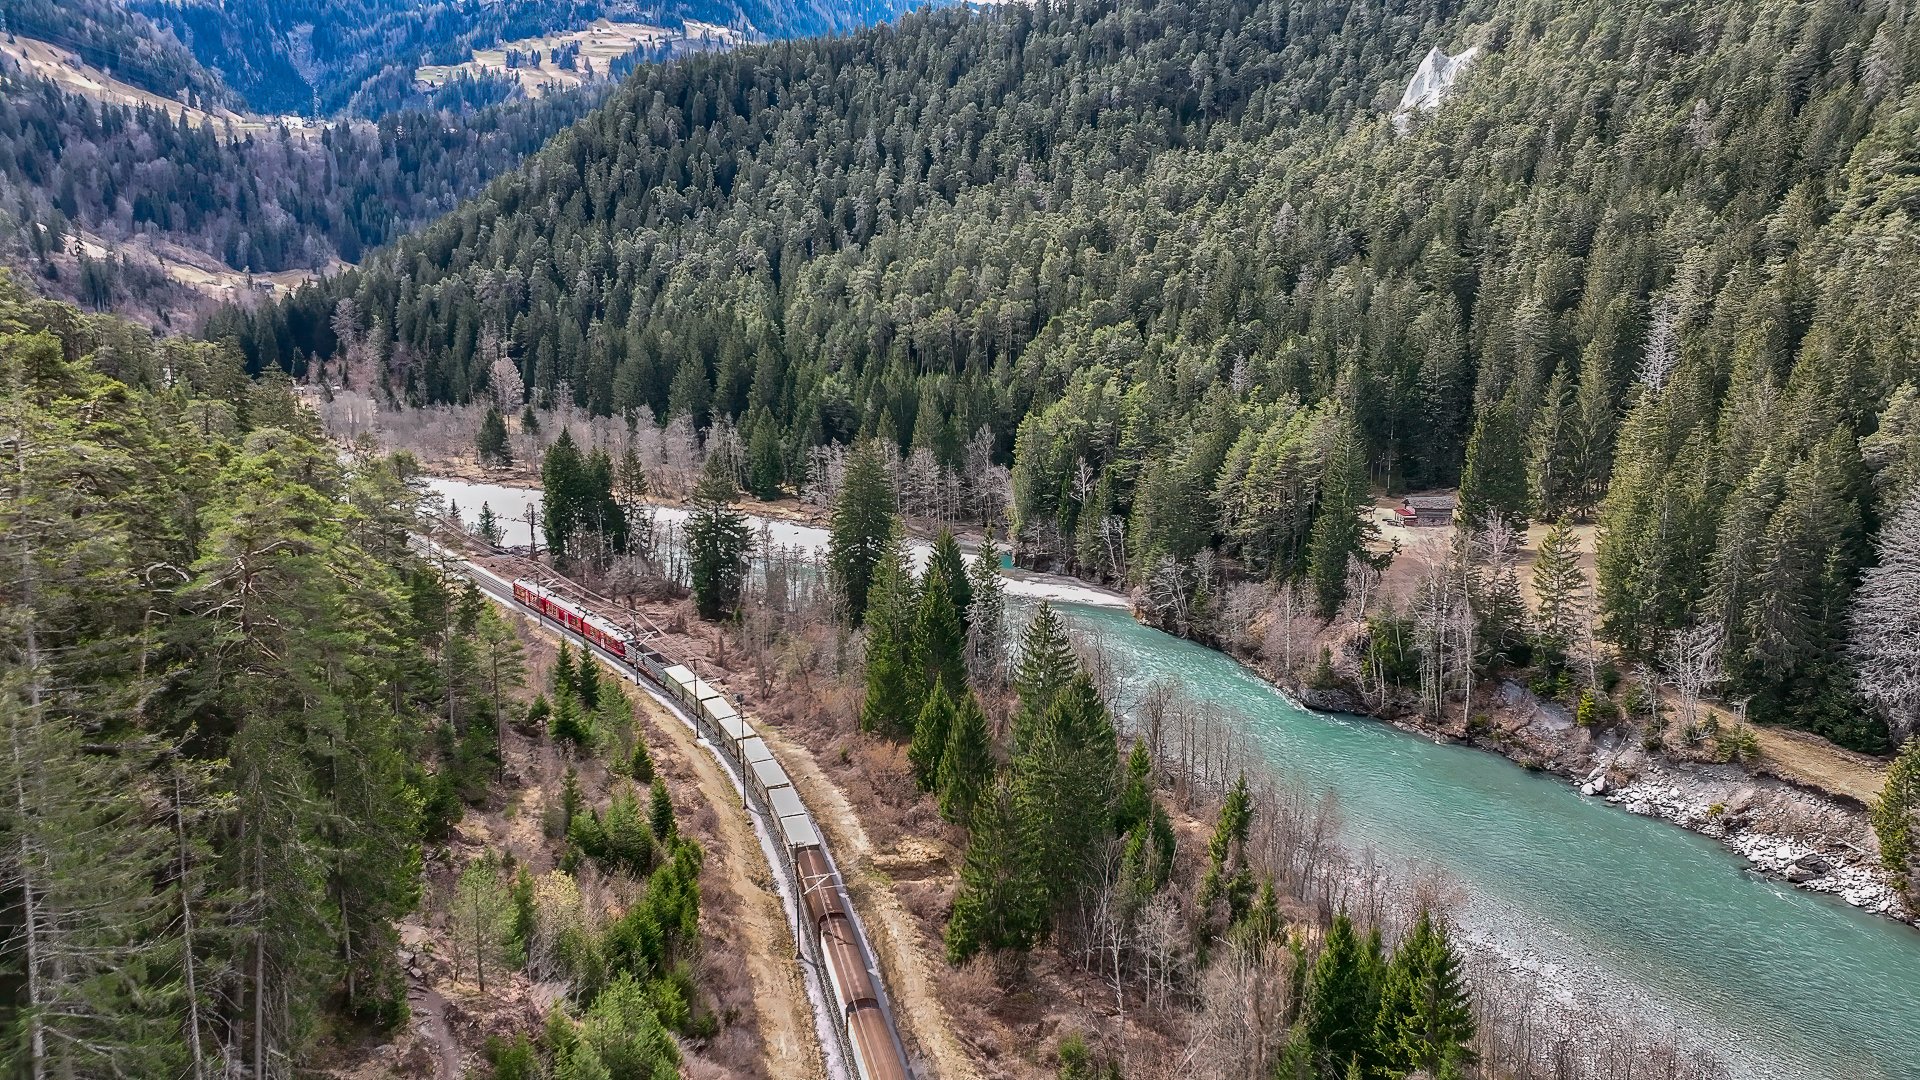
(115, 40)
(315, 56)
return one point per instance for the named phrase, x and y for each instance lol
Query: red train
(869, 1038)
(560, 610)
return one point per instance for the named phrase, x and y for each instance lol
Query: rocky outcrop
(1434, 78)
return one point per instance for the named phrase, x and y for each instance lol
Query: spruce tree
(764, 465)
(894, 684)
(1343, 1001)
(946, 560)
(1559, 586)
(930, 735)
(863, 529)
(1896, 817)
(1341, 524)
(986, 616)
(491, 440)
(966, 766)
(660, 813)
(1047, 664)
(1425, 1020)
(1000, 903)
(1064, 775)
(939, 639)
(586, 681)
(563, 477)
(1495, 479)
(488, 528)
(717, 543)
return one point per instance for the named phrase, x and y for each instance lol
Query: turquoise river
(1783, 982)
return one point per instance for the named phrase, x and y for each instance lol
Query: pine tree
(863, 529)
(491, 441)
(660, 813)
(1000, 904)
(894, 684)
(986, 616)
(1495, 479)
(966, 765)
(529, 421)
(939, 639)
(1047, 664)
(1340, 527)
(640, 766)
(1425, 1019)
(717, 543)
(946, 560)
(931, 732)
(1343, 1001)
(1559, 588)
(480, 919)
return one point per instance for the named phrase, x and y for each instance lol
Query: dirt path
(766, 945)
(917, 1006)
(428, 1005)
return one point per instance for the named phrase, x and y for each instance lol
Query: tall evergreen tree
(717, 543)
(895, 684)
(939, 639)
(863, 527)
(1425, 1017)
(1343, 1002)
(1047, 664)
(1064, 777)
(491, 440)
(1495, 478)
(1559, 587)
(1340, 526)
(947, 560)
(1001, 904)
(966, 765)
(931, 732)
(986, 616)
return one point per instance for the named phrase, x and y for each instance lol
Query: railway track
(833, 944)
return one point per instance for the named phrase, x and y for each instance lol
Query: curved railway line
(832, 941)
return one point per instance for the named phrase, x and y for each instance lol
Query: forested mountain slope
(313, 56)
(107, 35)
(258, 201)
(1652, 262)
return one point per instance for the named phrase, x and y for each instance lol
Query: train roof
(702, 690)
(679, 673)
(786, 803)
(797, 831)
(753, 749)
(769, 775)
(735, 728)
(719, 708)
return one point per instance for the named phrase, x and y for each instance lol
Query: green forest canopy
(1171, 255)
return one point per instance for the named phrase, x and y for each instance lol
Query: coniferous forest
(239, 709)
(1203, 287)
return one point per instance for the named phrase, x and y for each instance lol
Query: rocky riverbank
(1806, 838)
